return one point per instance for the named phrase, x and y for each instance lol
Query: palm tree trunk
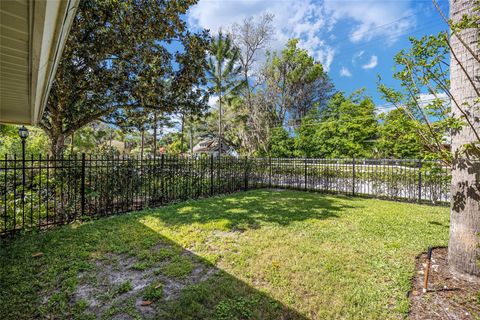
(220, 125)
(464, 245)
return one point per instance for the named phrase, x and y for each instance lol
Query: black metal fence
(37, 192)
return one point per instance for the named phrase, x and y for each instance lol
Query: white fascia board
(51, 21)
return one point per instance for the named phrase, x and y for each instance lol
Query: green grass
(265, 254)
(153, 292)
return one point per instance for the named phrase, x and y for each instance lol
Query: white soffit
(32, 37)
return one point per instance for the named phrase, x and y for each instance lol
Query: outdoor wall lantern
(23, 133)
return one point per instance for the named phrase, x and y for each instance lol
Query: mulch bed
(448, 297)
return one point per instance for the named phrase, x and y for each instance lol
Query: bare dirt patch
(448, 297)
(116, 281)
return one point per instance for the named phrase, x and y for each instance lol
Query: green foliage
(117, 58)
(95, 138)
(424, 69)
(124, 287)
(10, 142)
(281, 145)
(234, 120)
(175, 147)
(398, 137)
(347, 127)
(296, 83)
(178, 268)
(153, 292)
(222, 69)
(223, 72)
(306, 145)
(239, 308)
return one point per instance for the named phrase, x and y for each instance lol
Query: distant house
(120, 146)
(209, 145)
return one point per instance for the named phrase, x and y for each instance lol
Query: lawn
(262, 254)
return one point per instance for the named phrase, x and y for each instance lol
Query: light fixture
(23, 133)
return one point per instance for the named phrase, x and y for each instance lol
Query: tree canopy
(347, 127)
(118, 56)
(295, 82)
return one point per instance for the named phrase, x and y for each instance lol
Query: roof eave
(23, 99)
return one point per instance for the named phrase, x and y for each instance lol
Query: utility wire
(349, 48)
(383, 26)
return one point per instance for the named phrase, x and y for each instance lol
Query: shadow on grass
(101, 256)
(248, 210)
(436, 223)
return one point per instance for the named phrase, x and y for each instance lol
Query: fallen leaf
(146, 303)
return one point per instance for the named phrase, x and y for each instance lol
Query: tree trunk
(72, 144)
(220, 125)
(155, 124)
(191, 136)
(57, 145)
(143, 144)
(463, 247)
(181, 134)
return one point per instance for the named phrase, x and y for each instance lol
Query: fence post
(305, 173)
(5, 190)
(419, 180)
(162, 179)
(211, 174)
(23, 183)
(353, 176)
(245, 177)
(270, 172)
(82, 186)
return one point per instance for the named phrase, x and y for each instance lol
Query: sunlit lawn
(251, 255)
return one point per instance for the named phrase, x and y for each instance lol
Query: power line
(368, 117)
(349, 48)
(383, 26)
(320, 122)
(422, 101)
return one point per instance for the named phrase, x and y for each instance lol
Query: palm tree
(463, 247)
(223, 72)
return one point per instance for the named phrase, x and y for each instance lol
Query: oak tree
(117, 57)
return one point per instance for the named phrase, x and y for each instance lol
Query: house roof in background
(210, 145)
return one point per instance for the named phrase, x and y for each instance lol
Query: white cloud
(387, 19)
(214, 15)
(212, 101)
(344, 72)
(311, 20)
(372, 63)
(357, 56)
(301, 19)
(424, 99)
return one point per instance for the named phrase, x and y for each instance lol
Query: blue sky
(355, 40)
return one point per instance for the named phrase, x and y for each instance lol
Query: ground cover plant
(261, 254)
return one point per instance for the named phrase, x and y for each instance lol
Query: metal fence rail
(38, 192)
(409, 180)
